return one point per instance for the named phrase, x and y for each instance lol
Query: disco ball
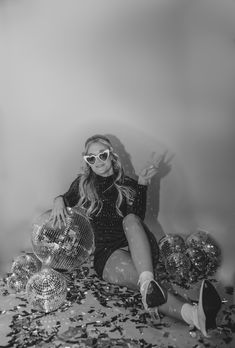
(197, 238)
(64, 248)
(177, 266)
(26, 265)
(213, 253)
(204, 241)
(198, 259)
(16, 282)
(46, 290)
(171, 244)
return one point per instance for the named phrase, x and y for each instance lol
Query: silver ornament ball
(66, 247)
(197, 239)
(197, 258)
(177, 266)
(204, 241)
(214, 257)
(17, 283)
(26, 265)
(46, 290)
(171, 244)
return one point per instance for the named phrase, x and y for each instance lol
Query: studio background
(154, 74)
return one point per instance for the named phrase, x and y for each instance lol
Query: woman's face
(102, 168)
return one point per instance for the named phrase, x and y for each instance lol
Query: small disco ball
(204, 241)
(171, 244)
(17, 283)
(46, 290)
(64, 248)
(26, 265)
(197, 238)
(177, 266)
(198, 259)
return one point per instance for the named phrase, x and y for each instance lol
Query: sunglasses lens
(103, 156)
(90, 159)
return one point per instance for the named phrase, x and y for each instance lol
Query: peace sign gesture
(160, 166)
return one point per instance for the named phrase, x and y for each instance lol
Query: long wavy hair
(89, 198)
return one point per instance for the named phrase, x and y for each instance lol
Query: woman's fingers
(63, 216)
(160, 166)
(150, 174)
(152, 170)
(58, 217)
(160, 158)
(53, 218)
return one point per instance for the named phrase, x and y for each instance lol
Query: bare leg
(120, 269)
(138, 243)
(152, 293)
(173, 306)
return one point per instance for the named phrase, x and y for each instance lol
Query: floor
(97, 314)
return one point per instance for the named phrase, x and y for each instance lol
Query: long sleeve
(138, 205)
(71, 197)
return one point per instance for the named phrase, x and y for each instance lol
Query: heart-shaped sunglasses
(103, 156)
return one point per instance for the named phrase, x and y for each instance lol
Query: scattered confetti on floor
(97, 314)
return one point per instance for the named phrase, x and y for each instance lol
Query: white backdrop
(154, 74)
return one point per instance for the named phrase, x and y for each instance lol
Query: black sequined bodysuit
(107, 224)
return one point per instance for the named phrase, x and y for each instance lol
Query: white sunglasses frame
(97, 156)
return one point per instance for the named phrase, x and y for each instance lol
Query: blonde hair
(89, 198)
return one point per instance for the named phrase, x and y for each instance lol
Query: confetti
(103, 320)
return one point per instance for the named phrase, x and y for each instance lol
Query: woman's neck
(109, 172)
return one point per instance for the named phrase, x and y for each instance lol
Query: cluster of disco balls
(57, 251)
(188, 259)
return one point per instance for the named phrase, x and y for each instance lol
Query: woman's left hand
(161, 167)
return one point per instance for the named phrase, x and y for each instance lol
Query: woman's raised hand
(59, 212)
(160, 166)
(146, 174)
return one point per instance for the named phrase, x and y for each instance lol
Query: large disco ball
(64, 248)
(177, 266)
(171, 244)
(26, 265)
(46, 290)
(17, 283)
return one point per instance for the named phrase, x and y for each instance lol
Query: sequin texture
(107, 225)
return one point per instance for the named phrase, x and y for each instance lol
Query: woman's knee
(119, 269)
(130, 220)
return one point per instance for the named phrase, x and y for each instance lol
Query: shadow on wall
(124, 156)
(169, 200)
(153, 197)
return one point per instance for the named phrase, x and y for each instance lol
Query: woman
(115, 205)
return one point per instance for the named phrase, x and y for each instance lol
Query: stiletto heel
(208, 307)
(152, 294)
